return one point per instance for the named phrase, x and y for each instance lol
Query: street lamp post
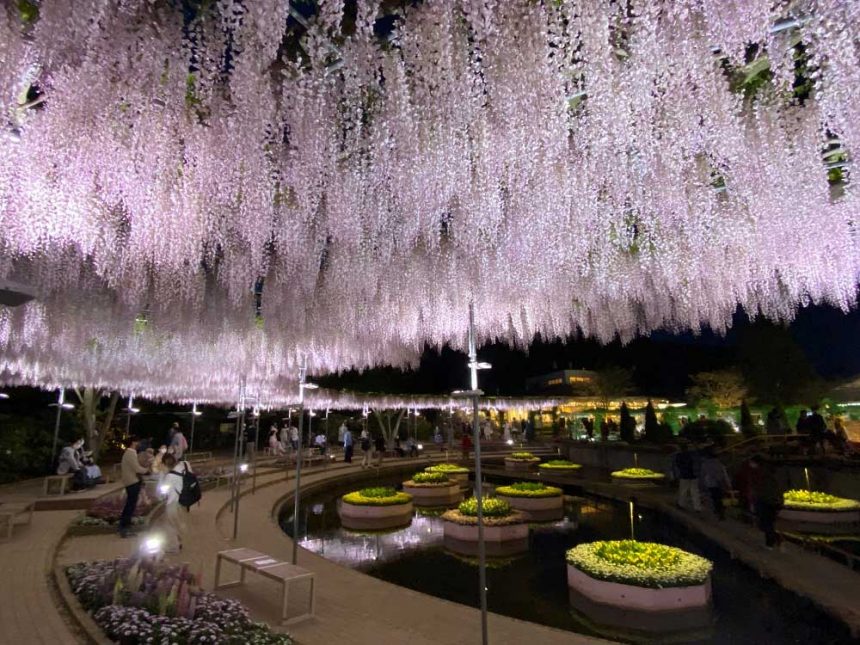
(60, 405)
(235, 489)
(256, 445)
(475, 394)
(194, 415)
(303, 385)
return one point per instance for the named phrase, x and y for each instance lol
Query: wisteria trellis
(568, 165)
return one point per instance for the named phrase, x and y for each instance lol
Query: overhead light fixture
(67, 406)
(310, 386)
(3, 395)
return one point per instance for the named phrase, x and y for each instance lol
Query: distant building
(562, 382)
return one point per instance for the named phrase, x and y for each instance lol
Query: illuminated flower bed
(136, 602)
(637, 476)
(432, 489)
(537, 500)
(103, 514)
(454, 471)
(375, 508)
(519, 461)
(818, 509)
(505, 530)
(559, 466)
(639, 575)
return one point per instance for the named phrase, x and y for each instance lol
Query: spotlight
(420, 446)
(67, 406)
(152, 545)
(243, 468)
(164, 489)
(510, 442)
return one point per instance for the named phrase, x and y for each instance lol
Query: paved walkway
(351, 607)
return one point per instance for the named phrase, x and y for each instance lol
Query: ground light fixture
(3, 395)
(164, 489)
(152, 545)
(243, 468)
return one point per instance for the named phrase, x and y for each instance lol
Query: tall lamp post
(303, 385)
(60, 405)
(240, 422)
(475, 394)
(194, 414)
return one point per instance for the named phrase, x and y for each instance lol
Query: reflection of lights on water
(317, 509)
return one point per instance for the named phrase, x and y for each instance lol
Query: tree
(747, 426)
(609, 383)
(652, 425)
(389, 424)
(96, 419)
(627, 427)
(724, 388)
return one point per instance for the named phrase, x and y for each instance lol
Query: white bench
(10, 512)
(64, 481)
(268, 567)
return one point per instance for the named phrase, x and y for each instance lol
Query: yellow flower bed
(522, 456)
(448, 469)
(637, 473)
(641, 564)
(559, 464)
(806, 500)
(528, 489)
(379, 496)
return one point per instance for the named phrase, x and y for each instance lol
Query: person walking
(684, 469)
(294, 437)
(438, 439)
(347, 446)
(131, 472)
(379, 445)
(715, 480)
(767, 491)
(170, 484)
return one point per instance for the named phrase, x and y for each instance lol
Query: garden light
(3, 395)
(510, 442)
(164, 489)
(152, 545)
(420, 446)
(243, 468)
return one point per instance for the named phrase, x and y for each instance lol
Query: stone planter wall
(520, 466)
(354, 516)
(851, 516)
(434, 495)
(636, 483)
(639, 598)
(537, 508)
(469, 532)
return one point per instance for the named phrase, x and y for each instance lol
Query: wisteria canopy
(205, 191)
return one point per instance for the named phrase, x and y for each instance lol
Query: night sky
(828, 339)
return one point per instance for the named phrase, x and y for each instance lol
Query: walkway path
(351, 607)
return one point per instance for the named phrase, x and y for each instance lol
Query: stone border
(537, 508)
(360, 516)
(639, 598)
(434, 495)
(519, 465)
(82, 619)
(848, 516)
(469, 532)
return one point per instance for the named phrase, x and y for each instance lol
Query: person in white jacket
(170, 486)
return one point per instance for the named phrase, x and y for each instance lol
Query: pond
(533, 586)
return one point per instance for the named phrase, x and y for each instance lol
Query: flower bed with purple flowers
(141, 601)
(103, 514)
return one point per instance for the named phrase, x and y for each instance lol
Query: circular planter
(521, 465)
(506, 539)
(461, 478)
(639, 481)
(559, 471)
(631, 597)
(537, 509)
(815, 521)
(367, 517)
(433, 495)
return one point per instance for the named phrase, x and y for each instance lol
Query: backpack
(191, 493)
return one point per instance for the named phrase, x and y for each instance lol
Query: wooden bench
(11, 511)
(64, 481)
(268, 567)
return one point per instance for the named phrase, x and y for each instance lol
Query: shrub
(637, 473)
(559, 464)
(642, 564)
(627, 426)
(431, 478)
(492, 507)
(816, 501)
(522, 456)
(528, 489)
(377, 496)
(447, 468)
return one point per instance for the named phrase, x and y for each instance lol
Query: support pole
(193, 419)
(297, 494)
(256, 448)
(60, 399)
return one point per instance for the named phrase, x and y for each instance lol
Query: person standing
(294, 437)
(366, 449)
(131, 472)
(379, 445)
(438, 439)
(284, 438)
(173, 430)
(321, 442)
(347, 446)
(715, 480)
(179, 444)
(767, 491)
(684, 470)
(340, 432)
(817, 429)
(172, 483)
